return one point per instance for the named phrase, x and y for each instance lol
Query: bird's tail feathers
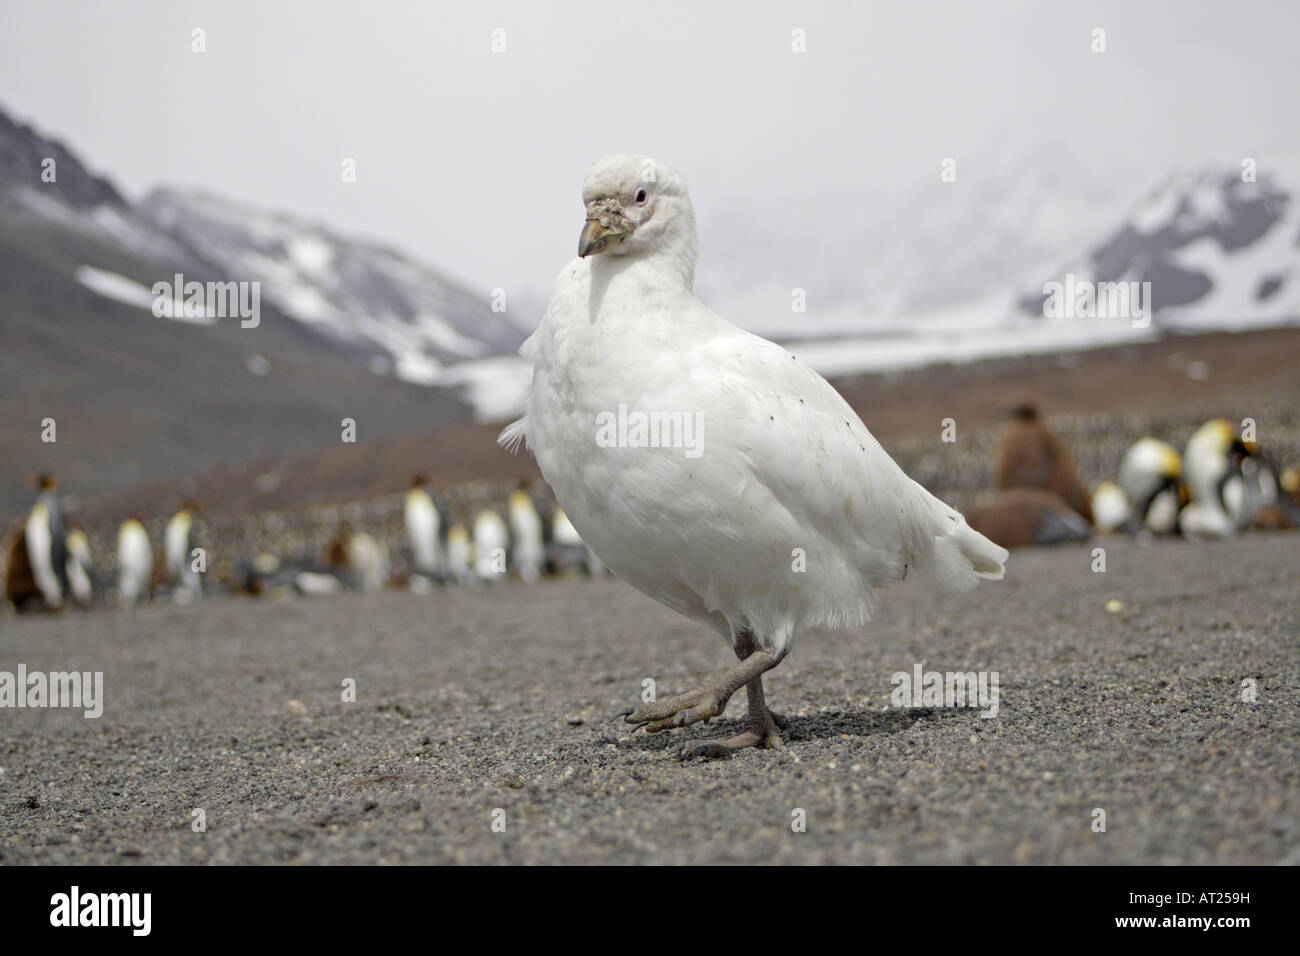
(963, 557)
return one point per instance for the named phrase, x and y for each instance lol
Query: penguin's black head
(1239, 452)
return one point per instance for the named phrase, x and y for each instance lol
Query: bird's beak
(596, 239)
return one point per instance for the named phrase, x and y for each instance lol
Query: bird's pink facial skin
(607, 225)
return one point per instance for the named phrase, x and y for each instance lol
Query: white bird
(709, 467)
(423, 528)
(134, 561)
(528, 553)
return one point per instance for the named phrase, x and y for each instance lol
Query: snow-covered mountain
(141, 393)
(1220, 251)
(393, 315)
(409, 318)
(920, 255)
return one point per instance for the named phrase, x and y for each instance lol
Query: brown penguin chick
(336, 549)
(20, 581)
(1028, 455)
(1022, 517)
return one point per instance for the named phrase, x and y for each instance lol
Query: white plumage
(769, 468)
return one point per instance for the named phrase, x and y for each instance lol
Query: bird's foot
(681, 710)
(761, 732)
(710, 700)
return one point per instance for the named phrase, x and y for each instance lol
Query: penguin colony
(1221, 484)
(49, 564)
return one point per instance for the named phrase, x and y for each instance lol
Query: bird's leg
(706, 701)
(743, 644)
(760, 729)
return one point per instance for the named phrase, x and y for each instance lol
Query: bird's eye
(641, 197)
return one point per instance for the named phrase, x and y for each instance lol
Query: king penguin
(1281, 499)
(1111, 511)
(526, 532)
(491, 545)
(80, 576)
(423, 530)
(1225, 496)
(460, 554)
(566, 550)
(47, 548)
(178, 550)
(134, 561)
(357, 559)
(1150, 475)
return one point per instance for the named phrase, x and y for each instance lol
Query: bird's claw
(752, 736)
(697, 706)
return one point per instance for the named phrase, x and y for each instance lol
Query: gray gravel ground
(473, 700)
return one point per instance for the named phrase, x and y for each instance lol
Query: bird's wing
(809, 454)
(547, 346)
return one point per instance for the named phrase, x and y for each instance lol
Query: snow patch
(119, 288)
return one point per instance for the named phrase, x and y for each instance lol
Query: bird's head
(634, 205)
(1217, 440)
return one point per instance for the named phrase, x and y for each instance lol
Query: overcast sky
(473, 160)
